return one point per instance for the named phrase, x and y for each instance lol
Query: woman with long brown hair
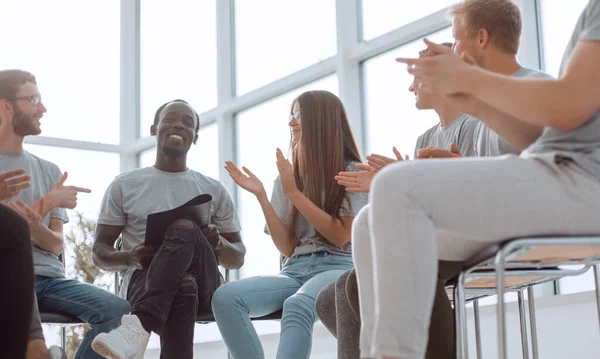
(309, 219)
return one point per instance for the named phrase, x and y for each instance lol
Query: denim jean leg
(96, 306)
(299, 310)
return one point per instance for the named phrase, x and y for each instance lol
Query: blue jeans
(295, 290)
(94, 305)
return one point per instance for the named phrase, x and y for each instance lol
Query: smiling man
(169, 286)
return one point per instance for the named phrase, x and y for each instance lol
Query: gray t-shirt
(488, 142)
(43, 176)
(460, 131)
(308, 241)
(133, 195)
(583, 143)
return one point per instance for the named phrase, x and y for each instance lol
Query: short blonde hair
(501, 19)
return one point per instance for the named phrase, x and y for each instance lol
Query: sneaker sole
(105, 351)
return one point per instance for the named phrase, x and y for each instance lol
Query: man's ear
(153, 130)
(483, 37)
(195, 139)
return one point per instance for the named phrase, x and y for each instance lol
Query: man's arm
(104, 253)
(518, 133)
(50, 239)
(231, 251)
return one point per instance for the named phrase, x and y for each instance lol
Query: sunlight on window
(558, 19)
(382, 16)
(75, 60)
(294, 35)
(178, 56)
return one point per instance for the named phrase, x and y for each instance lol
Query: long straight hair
(326, 145)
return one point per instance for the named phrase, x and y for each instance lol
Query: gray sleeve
(418, 146)
(277, 198)
(466, 138)
(591, 27)
(225, 216)
(111, 209)
(354, 202)
(58, 213)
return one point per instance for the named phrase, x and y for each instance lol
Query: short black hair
(157, 115)
(10, 80)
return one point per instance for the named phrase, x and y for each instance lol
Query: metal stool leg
(460, 318)
(532, 322)
(477, 328)
(597, 282)
(63, 337)
(523, 322)
(500, 307)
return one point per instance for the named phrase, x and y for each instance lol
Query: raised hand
(249, 182)
(286, 175)
(445, 72)
(434, 152)
(377, 162)
(33, 218)
(12, 183)
(65, 196)
(357, 181)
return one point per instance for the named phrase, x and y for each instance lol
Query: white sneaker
(129, 341)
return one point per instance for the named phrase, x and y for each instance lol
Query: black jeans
(16, 280)
(178, 284)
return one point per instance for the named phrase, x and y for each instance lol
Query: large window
(202, 157)
(260, 131)
(381, 16)
(178, 44)
(558, 19)
(392, 119)
(295, 34)
(75, 59)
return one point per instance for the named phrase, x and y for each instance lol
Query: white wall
(567, 328)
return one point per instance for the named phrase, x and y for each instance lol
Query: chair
(517, 265)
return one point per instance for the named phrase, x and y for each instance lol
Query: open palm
(357, 181)
(249, 182)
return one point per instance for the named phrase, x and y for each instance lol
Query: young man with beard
(43, 207)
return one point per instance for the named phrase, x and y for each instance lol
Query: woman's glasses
(295, 116)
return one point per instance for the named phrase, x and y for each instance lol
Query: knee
(36, 349)
(225, 297)
(300, 306)
(325, 303)
(361, 243)
(112, 310)
(188, 287)
(182, 223)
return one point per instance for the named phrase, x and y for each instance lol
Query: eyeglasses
(34, 99)
(295, 116)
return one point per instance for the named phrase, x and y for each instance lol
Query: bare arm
(104, 253)
(336, 231)
(279, 232)
(564, 104)
(50, 239)
(231, 251)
